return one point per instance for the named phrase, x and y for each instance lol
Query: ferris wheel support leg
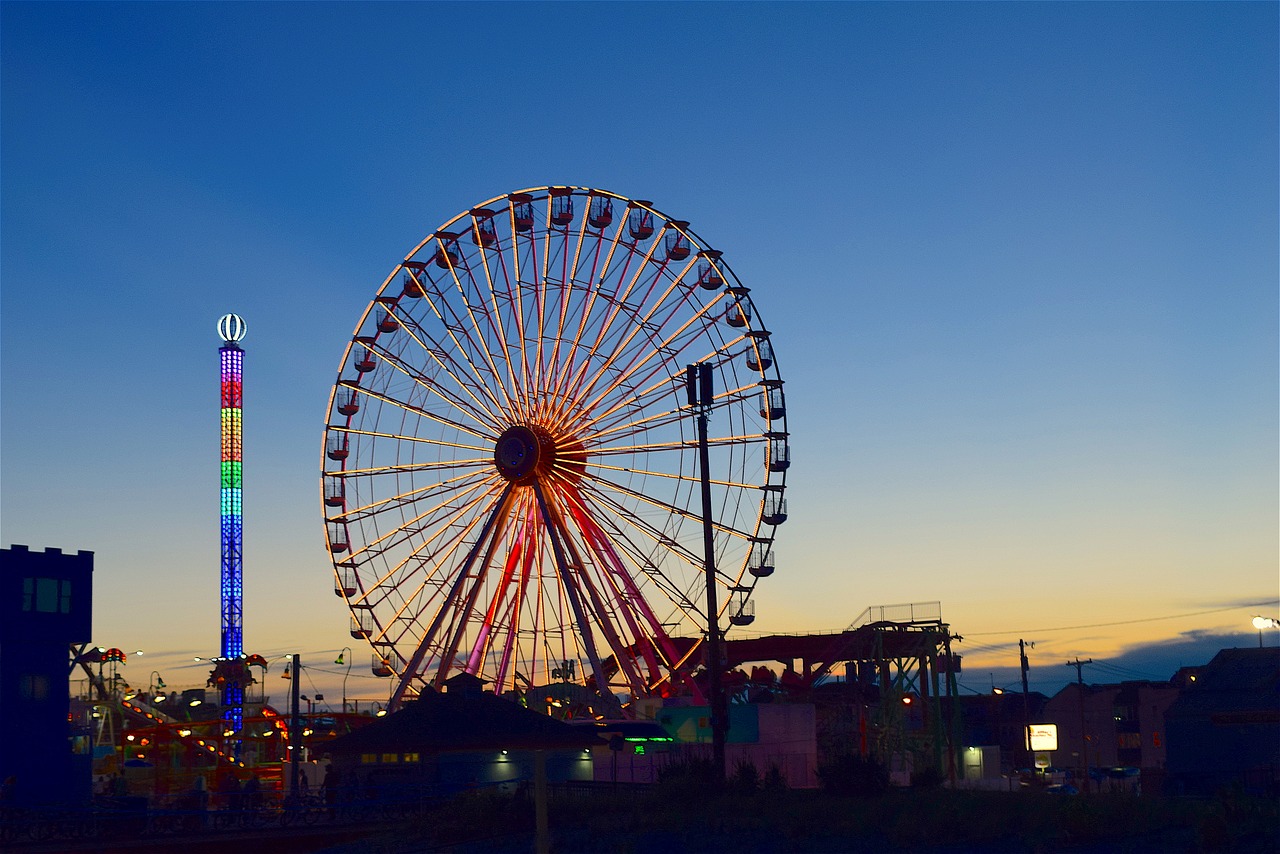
(464, 616)
(615, 641)
(411, 667)
(588, 639)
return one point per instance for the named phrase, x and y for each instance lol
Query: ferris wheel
(510, 469)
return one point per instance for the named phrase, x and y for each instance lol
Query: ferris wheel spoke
(661, 540)
(428, 592)
(596, 291)
(521, 405)
(510, 405)
(442, 307)
(409, 468)
(604, 348)
(465, 606)
(678, 445)
(645, 323)
(619, 429)
(665, 369)
(503, 610)
(438, 351)
(412, 665)
(565, 288)
(626, 593)
(671, 476)
(609, 609)
(644, 354)
(568, 585)
(515, 300)
(411, 496)
(618, 301)
(621, 522)
(674, 509)
(448, 365)
(426, 384)
(385, 542)
(415, 440)
(588, 302)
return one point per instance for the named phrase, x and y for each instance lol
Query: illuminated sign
(1042, 737)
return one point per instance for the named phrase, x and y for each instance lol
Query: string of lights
(1124, 622)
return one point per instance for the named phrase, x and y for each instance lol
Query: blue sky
(1019, 262)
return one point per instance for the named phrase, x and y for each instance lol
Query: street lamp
(339, 660)
(1260, 623)
(156, 688)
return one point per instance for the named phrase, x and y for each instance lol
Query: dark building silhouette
(461, 739)
(1000, 720)
(46, 606)
(1224, 728)
(1124, 728)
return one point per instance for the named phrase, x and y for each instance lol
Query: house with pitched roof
(461, 739)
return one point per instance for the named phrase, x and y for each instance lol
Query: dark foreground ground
(680, 818)
(939, 820)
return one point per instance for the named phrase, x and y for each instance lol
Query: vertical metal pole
(698, 378)
(1026, 703)
(295, 730)
(1084, 739)
(953, 729)
(542, 833)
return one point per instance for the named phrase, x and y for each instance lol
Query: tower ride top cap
(231, 327)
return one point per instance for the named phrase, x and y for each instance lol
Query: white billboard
(1042, 737)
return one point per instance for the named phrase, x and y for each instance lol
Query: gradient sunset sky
(1019, 262)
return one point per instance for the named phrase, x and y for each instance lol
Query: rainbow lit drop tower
(232, 328)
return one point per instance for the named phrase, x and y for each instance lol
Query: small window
(390, 758)
(368, 759)
(410, 757)
(33, 686)
(46, 595)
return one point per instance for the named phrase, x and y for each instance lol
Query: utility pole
(1084, 739)
(1026, 701)
(698, 385)
(295, 730)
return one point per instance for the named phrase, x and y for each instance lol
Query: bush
(688, 775)
(773, 780)
(745, 777)
(927, 777)
(853, 775)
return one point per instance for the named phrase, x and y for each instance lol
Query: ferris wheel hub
(525, 453)
(522, 453)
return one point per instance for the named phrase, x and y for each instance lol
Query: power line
(1126, 622)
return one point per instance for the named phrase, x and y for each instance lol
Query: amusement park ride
(510, 477)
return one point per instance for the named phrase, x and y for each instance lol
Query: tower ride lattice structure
(231, 356)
